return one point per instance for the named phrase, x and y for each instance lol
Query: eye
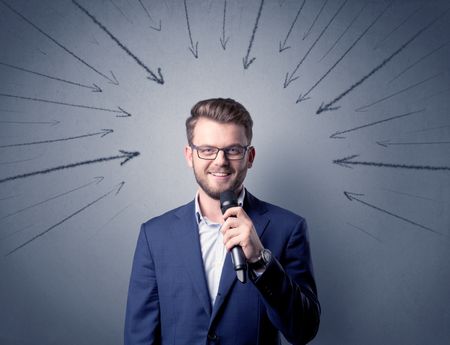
(234, 150)
(207, 150)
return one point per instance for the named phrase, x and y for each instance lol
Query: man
(183, 287)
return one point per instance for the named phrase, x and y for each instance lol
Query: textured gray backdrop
(67, 237)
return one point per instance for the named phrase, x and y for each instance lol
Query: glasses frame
(195, 147)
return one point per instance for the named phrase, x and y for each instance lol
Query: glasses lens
(235, 152)
(207, 152)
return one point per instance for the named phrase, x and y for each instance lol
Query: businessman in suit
(183, 287)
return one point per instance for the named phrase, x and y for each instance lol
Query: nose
(221, 158)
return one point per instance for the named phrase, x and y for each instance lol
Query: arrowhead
(154, 78)
(336, 136)
(99, 179)
(194, 51)
(96, 88)
(351, 196)
(224, 42)
(283, 47)
(120, 187)
(125, 113)
(114, 81)
(55, 123)
(247, 63)
(106, 132)
(158, 28)
(327, 107)
(384, 143)
(288, 79)
(301, 98)
(128, 155)
(345, 161)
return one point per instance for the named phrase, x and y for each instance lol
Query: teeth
(219, 174)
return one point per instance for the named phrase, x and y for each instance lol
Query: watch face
(266, 255)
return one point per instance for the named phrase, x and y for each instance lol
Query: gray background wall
(381, 260)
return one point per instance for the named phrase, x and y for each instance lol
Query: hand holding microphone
(239, 234)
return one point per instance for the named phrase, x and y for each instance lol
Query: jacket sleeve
(142, 321)
(289, 292)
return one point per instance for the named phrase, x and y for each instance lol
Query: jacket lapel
(187, 240)
(255, 210)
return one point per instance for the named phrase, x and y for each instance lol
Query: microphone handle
(239, 263)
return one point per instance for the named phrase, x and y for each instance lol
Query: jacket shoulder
(170, 216)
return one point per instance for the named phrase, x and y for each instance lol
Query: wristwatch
(265, 257)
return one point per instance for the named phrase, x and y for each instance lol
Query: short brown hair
(223, 110)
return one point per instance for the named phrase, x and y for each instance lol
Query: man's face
(221, 174)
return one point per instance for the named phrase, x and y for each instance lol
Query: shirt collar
(199, 217)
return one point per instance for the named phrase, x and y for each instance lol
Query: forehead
(210, 132)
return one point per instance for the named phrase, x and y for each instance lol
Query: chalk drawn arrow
(126, 155)
(345, 162)
(283, 46)
(102, 133)
(97, 179)
(338, 135)
(42, 233)
(51, 123)
(331, 105)
(93, 87)
(193, 48)
(386, 143)
(245, 61)
(119, 110)
(315, 20)
(158, 79)
(290, 77)
(223, 39)
(112, 81)
(356, 197)
(303, 97)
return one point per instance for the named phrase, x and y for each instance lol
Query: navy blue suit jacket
(168, 299)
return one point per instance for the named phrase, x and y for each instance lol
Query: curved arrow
(102, 133)
(124, 154)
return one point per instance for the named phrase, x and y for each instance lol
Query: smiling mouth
(220, 174)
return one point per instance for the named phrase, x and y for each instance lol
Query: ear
(188, 155)
(250, 156)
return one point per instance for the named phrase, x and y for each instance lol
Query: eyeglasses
(235, 152)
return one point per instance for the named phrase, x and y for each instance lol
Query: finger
(232, 212)
(230, 223)
(230, 233)
(233, 241)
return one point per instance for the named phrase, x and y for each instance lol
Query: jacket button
(212, 336)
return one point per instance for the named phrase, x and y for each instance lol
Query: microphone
(227, 200)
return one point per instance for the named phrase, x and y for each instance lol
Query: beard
(214, 192)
